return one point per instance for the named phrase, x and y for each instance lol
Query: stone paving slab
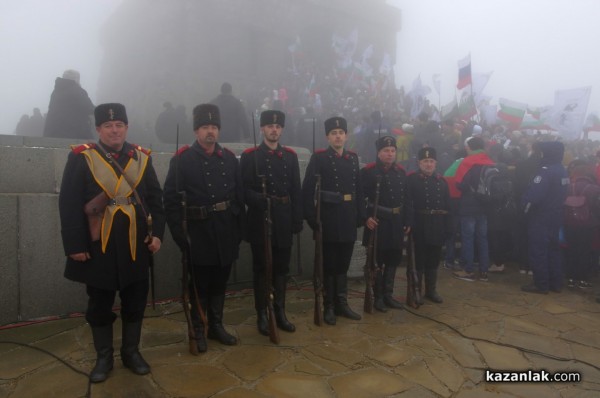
(396, 354)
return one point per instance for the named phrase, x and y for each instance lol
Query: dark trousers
(101, 301)
(499, 246)
(545, 256)
(389, 258)
(211, 280)
(336, 257)
(426, 256)
(579, 253)
(281, 259)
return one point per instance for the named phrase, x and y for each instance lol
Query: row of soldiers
(113, 215)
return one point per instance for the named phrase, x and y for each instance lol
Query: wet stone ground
(437, 350)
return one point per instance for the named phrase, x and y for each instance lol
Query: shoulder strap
(126, 177)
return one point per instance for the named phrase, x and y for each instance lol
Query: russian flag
(464, 72)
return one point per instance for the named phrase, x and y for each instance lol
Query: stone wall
(32, 261)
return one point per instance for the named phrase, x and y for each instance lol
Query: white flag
(570, 107)
(480, 80)
(417, 94)
(437, 83)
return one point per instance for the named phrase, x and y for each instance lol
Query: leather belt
(202, 212)
(281, 200)
(122, 201)
(336, 197)
(433, 212)
(390, 210)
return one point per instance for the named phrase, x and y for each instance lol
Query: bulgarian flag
(464, 72)
(450, 177)
(511, 111)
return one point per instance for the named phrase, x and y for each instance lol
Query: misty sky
(533, 47)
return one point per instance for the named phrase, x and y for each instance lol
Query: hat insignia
(426, 154)
(337, 123)
(209, 116)
(274, 118)
(111, 114)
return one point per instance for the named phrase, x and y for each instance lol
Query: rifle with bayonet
(268, 251)
(371, 268)
(188, 267)
(318, 236)
(413, 287)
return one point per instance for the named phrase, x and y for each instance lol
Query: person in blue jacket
(543, 203)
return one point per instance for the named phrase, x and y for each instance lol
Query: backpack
(577, 209)
(495, 187)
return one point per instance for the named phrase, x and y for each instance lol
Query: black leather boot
(378, 304)
(216, 331)
(389, 276)
(430, 286)
(341, 298)
(279, 285)
(103, 343)
(328, 295)
(199, 336)
(260, 303)
(130, 355)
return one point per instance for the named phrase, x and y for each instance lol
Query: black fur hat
(427, 153)
(205, 114)
(335, 123)
(110, 112)
(272, 117)
(385, 141)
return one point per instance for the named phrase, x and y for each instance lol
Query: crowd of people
(505, 195)
(114, 211)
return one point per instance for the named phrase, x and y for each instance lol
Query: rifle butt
(318, 313)
(368, 305)
(273, 332)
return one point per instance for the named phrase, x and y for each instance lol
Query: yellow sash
(117, 187)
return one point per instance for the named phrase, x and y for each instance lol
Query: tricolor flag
(464, 72)
(511, 111)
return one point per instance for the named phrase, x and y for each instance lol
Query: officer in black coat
(392, 221)
(342, 211)
(431, 202)
(104, 249)
(210, 176)
(277, 166)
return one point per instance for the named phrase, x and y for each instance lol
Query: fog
(532, 47)
(41, 39)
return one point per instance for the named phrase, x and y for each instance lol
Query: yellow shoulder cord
(107, 179)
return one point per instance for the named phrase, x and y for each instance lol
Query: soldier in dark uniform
(431, 202)
(342, 211)
(278, 165)
(392, 221)
(210, 176)
(104, 249)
